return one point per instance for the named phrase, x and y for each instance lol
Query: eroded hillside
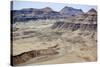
(50, 41)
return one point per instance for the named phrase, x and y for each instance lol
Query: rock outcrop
(86, 25)
(33, 14)
(75, 26)
(89, 17)
(44, 13)
(87, 21)
(69, 11)
(25, 56)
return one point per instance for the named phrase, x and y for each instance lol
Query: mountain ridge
(46, 13)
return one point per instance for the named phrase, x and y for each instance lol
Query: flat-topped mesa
(75, 26)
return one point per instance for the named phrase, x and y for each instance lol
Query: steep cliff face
(75, 26)
(34, 14)
(44, 13)
(89, 17)
(66, 35)
(87, 21)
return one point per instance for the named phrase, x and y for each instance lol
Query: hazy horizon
(18, 5)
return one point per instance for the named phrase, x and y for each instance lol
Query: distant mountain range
(69, 11)
(47, 13)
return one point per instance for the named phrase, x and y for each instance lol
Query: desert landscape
(45, 36)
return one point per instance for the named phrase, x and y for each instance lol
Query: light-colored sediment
(76, 46)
